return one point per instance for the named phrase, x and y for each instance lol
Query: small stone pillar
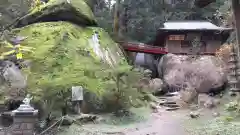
(24, 119)
(233, 72)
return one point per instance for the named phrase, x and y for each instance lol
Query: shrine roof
(193, 25)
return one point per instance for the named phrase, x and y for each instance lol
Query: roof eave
(221, 29)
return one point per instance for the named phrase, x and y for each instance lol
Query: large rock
(203, 74)
(75, 11)
(14, 80)
(207, 101)
(169, 62)
(155, 85)
(13, 75)
(146, 61)
(67, 52)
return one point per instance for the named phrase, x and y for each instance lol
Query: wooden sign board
(176, 37)
(77, 93)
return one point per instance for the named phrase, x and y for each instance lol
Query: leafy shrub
(233, 109)
(224, 52)
(233, 106)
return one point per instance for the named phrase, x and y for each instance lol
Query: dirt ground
(162, 122)
(157, 123)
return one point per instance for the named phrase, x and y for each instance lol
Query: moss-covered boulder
(74, 11)
(62, 48)
(63, 33)
(69, 50)
(65, 55)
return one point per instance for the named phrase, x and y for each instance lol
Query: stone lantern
(24, 119)
(233, 71)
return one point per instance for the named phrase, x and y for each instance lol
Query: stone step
(167, 102)
(162, 98)
(171, 94)
(172, 109)
(171, 105)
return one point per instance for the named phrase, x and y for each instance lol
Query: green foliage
(144, 17)
(14, 50)
(233, 106)
(35, 4)
(122, 91)
(226, 124)
(233, 109)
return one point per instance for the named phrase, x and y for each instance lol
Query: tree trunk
(116, 19)
(236, 13)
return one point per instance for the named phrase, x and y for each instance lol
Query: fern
(15, 50)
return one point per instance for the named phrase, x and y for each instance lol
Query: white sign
(77, 93)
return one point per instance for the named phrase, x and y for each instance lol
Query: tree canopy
(140, 19)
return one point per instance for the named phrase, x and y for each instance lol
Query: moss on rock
(64, 57)
(66, 54)
(76, 11)
(60, 46)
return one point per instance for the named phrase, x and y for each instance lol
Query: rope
(60, 120)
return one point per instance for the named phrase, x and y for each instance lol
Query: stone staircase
(168, 102)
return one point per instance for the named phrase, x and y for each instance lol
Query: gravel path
(162, 123)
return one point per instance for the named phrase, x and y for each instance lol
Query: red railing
(144, 48)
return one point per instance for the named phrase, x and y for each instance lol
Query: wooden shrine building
(177, 37)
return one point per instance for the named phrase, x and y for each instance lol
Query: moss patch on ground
(110, 124)
(228, 123)
(217, 126)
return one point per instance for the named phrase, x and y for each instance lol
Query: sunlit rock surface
(205, 73)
